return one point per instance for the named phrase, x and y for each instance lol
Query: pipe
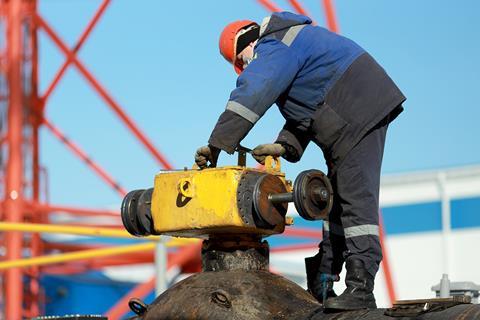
(75, 256)
(160, 267)
(105, 96)
(303, 233)
(387, 270)
(300, 10)
(446, 222)
(269, 5)
(330, 16)
(14, 172)
(36, 243)
(43, 208)
(63, 229)
(280, 197)
(75, 49)
(82, 155)
(87, 231)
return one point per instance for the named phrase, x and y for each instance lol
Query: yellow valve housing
(199, 203)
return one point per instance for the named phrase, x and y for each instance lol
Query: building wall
(432, 221)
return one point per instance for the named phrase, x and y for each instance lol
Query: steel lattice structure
(22, 115)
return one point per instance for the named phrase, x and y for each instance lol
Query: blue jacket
(327, 87)
(303, 62)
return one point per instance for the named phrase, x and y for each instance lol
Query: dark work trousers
(352, 228)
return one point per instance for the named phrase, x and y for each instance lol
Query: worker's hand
(207, 154)
(270, 149)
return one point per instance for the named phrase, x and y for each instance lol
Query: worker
(331, 92)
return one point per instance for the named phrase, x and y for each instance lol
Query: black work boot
(359, 292)
(320, 285)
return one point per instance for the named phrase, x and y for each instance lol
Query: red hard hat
(228, 42)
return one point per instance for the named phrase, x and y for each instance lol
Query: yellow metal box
(199, 203)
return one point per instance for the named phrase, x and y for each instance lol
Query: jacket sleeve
(294, 140)
(229, 131)
(271, 72)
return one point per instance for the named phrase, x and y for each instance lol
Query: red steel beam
(303, 233)
(180, 258)
(73, 246)
(75, 49)
(118, 226)
(60, 269)
(269, 5)
(36, 245)
(46, 208)
(119, 309)
(299, 9)
(104, 94)
(99, 262)
(14, 171)
(386, 262)
(330, 16)
(82, 155)
(76, 268)
(294, 247)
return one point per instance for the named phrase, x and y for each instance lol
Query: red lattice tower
(22, 115)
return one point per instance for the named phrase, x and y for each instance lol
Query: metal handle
(185, 187)
(272, 164)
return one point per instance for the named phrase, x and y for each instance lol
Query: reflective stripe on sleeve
(292, 34)
(242, 111)
(363, 230)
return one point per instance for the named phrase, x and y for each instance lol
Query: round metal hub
(313, 195)
(129, 212)
(269, 214)
(135, 212)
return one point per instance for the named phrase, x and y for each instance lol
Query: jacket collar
(281, 20)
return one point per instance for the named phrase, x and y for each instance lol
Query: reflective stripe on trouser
(352, 229)
(350, 232)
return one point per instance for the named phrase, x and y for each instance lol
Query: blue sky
(160, 61)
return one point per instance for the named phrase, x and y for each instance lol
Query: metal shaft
(318, 194)
(281, 197)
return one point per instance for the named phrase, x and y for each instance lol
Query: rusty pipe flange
(129, 212)
(136, 214)
(269, 214)
(144, 213)
(313, 195)
(231, 252)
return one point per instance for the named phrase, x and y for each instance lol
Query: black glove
(207, 154)
(270, 149)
